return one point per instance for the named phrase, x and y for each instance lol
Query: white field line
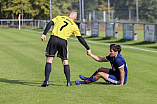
(100, 43)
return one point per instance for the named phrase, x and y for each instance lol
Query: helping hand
(89, 52)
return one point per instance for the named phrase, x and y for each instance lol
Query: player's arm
(83, 42)
(98, 58)
(121, 69)
(48, 26)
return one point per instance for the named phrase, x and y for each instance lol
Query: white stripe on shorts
(67, 51)
(113, 81)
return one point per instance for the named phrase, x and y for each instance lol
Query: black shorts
(57, 44)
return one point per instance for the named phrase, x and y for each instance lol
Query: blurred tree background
(119, 9)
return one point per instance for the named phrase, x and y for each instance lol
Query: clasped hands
(89, 52)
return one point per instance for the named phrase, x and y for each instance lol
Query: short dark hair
(116, 48)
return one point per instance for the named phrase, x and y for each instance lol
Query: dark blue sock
(95, 73)
(67, 73)
(89, 80)
(47, 71)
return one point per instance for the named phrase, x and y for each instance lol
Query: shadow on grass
(38, 29)
(119, 41)
(21, 82)
(98, 38)
(141, 43)
(125, 42)
(154, 47)
(113, 40)
(38, 84)
(103, 83)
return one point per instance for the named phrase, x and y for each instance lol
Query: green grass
(22, 64)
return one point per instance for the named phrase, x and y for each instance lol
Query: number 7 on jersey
(66, 23)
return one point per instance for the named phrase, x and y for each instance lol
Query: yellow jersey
(64, 27)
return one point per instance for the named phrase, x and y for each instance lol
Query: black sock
(47, 71)
(67, 73)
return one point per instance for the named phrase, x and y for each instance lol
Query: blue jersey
(117, 63)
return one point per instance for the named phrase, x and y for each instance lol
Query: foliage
(147, 9)
(40, 9)
(62, 6)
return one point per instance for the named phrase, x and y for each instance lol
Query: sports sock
(67, 73)
(47, 71)
(95, 73)
(91, 79)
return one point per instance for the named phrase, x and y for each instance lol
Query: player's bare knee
(49, 59)
(65, 62)
(100, 74)
(103, 75)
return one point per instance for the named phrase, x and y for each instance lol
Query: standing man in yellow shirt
(64, 27)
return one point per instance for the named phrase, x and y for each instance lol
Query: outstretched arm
(97, 58)
(83, 42)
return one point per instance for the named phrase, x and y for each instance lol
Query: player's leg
(66, 71)
(111, 77)
(85, 78)
(101, 69)
(63, 54)
(47, 71)
(93, 78)
(48, 68)
(50, 53)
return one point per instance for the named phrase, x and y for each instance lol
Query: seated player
(116, 75)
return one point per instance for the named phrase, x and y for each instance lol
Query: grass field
(22, 62)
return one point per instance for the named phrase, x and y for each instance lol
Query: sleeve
(108, 58)
(78, 24)
(48, 26)
(76, 31)
(119, 63)
(55, 19)
(83, 42)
